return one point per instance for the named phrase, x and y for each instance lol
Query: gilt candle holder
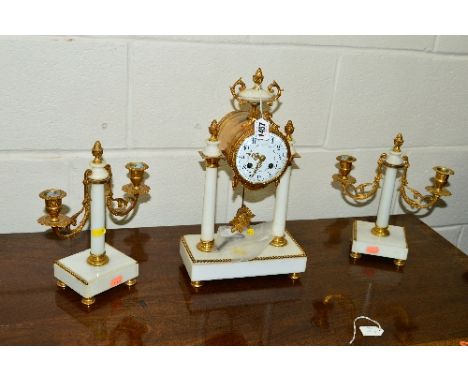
(101, 267)
(380, 238)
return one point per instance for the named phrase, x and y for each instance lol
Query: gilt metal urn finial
(289, 129)
(214, 130)
(97, 152)
(258, 77)
(398, 142)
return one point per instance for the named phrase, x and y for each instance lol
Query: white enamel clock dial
(262, 161)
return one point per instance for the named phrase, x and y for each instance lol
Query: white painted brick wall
(57, 92)
(152, 98)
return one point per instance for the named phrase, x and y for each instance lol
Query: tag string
(261, 103)
(354, 326)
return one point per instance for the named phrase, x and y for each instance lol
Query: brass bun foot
(205, 246)
(294, 276)
(61, 284)
(279, 241)
(355, 255)
(399, 263)
(380, 231)
(197, 284)
(131, 282)
(88, 301)
(97, 260)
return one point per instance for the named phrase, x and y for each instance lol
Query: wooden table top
(423, 303)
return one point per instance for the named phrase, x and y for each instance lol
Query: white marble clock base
(393, 246)
(204, 266)
(88, 280)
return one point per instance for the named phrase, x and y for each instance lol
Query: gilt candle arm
(420, 201)
(61, 224)
(134, 190)
(124, 205)
(361, 191)
(67, 232)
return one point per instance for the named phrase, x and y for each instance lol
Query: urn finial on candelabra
(97, 152)
(398, 142)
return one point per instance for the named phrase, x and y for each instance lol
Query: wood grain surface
(423, 303)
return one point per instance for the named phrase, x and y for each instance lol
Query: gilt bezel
(274, 129)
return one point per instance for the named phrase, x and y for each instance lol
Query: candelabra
(382, 239)
(101, 267)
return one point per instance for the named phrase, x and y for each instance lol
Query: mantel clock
(259, 153)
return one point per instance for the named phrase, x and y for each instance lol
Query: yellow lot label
(98, 232)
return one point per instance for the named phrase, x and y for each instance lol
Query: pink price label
(372, 250)
(116, 281)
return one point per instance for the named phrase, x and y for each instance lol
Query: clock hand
(256, 168)
(261, 158)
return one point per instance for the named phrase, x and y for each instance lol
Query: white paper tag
(371, 331)
(225, 231)
(262, 129)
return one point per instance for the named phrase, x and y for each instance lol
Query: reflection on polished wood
(423, 302)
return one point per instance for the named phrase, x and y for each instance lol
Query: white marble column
(281, 201)
(98, 209)
(388, 188)
(281, 204)
(212, 156)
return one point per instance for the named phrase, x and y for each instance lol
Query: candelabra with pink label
(380, 238)
(101, 267)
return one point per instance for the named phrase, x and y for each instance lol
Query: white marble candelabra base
(393, 246)
(204, 266)
(88, 280)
